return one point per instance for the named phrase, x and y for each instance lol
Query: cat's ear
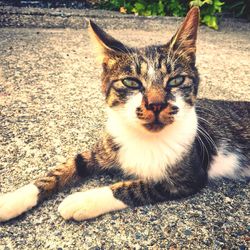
(185, 38)
(106, 45)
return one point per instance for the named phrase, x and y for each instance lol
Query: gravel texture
(51, 108)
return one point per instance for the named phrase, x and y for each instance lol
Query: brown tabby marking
(155, 132)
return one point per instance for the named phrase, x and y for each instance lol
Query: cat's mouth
(154, 126)
(157, 125)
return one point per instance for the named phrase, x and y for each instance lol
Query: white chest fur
(148, 155)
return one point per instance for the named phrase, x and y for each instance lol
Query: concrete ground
(51, 108)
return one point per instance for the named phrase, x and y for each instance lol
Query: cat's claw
(86, 205)
(15, 203)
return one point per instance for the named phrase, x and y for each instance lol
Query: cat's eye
(176, 81)
(132, 83)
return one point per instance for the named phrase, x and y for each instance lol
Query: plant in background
(159, 8)
(177, 7)
(210, 9)
(239, 8)
(156, 8)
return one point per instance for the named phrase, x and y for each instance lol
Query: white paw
(15, 203)
(85, 205)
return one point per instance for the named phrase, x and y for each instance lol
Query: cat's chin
(155, 126)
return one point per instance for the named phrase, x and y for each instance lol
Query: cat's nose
(156, 107)
(155, 99)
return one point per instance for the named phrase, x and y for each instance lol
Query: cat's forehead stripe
(151, 72)
(150, 65)
(144, 68)
(163, 68)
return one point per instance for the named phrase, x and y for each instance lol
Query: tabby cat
(158, 133)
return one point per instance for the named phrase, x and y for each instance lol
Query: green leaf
(161, 8)
(128, 7)
(217, 5)
(198, 3)
(210, 21)
(208, 1)
(139, 7)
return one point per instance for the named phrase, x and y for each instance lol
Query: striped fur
(157, 132)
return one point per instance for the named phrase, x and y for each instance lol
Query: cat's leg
(100, 158)
(92, 203)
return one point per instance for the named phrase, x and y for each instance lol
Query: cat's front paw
(15, 203)
(86, 205)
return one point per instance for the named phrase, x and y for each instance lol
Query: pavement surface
(51, 108)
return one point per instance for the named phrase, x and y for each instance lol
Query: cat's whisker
(207, 137)
(204, 120)
(203, 146)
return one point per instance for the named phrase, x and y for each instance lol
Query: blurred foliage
(74, 4)
(210, 9)
(240, 8)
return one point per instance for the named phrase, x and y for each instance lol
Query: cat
(158, 133)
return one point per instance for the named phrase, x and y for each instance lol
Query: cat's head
(153, 86)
